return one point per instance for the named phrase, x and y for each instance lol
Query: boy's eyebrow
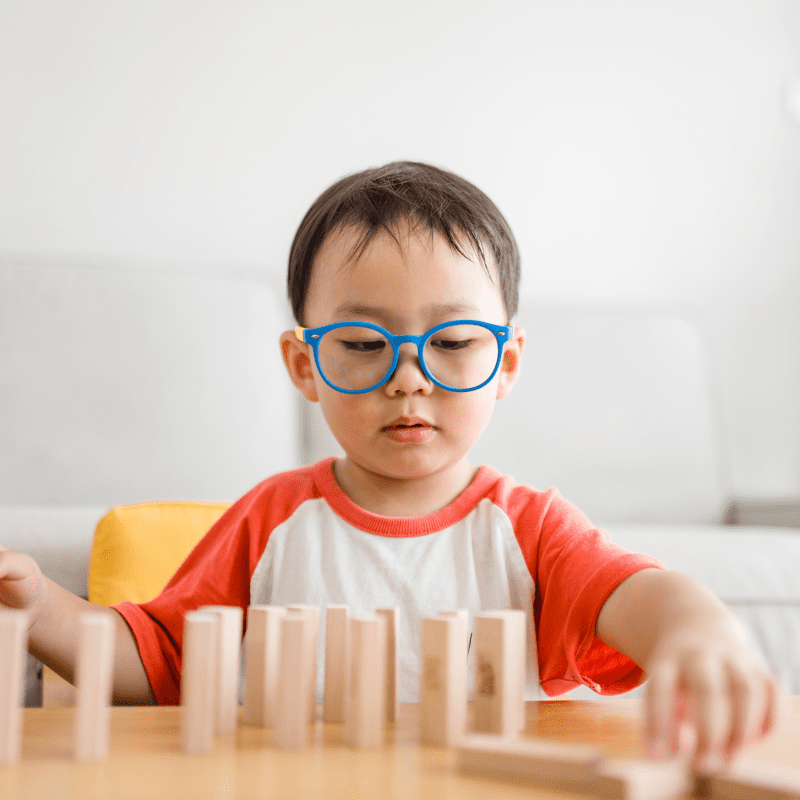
(348, 310)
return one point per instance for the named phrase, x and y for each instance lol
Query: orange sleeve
(575, 568)
(216, 572)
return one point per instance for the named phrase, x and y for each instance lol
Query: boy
(403, 281)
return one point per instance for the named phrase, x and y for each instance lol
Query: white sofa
(121, 385)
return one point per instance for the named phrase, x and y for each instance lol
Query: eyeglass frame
(313, 336)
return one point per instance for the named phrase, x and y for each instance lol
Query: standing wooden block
(198, 682)
(743, 781)
(499, 672)
(443, 684)
(291, 713)
(228, 652)
(262, 656)
(311, 613)
(94, 676)
(366, 705)
(13, 643)
(641, 779)
(391, 620)
(568, 767)
(337, 662)
(462, 616)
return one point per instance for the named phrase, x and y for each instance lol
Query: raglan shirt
(296, 538)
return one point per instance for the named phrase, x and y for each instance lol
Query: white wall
(640, 150)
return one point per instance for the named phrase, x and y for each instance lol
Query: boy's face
(408, 428)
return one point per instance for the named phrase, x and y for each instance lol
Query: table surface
(146, 761)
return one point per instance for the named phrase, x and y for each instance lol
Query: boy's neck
(394, 497)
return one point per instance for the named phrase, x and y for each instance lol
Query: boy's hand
(708, 676)
(21, 583)
(702, 669)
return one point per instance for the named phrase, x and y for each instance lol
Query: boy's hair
(422, 195)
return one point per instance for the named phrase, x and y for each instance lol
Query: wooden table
(146, 760)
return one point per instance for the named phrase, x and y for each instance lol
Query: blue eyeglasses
(357, 357)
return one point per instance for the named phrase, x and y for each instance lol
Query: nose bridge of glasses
(412, 346)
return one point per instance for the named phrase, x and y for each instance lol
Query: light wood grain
(262, 658)
(13, 639)
(337, 662)
(94, 675)
(146, 761)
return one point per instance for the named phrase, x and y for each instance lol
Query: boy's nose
(408, 377)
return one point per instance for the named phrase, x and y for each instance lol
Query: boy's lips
(409, 429)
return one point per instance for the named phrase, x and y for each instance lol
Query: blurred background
(645, 151)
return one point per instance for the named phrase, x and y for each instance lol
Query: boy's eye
(364, 345)
(451, 344)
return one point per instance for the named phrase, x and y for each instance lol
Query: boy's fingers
(775, 695)
(712, 713)
(748, 706)
(661, 723)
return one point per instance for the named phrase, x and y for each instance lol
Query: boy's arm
(53, 627)
(700, 663)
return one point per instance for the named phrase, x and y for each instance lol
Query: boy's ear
(297, 357)
(510, 363)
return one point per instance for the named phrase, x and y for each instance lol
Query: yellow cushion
(138, 548)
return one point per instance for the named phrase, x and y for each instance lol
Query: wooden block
(291, 713)
(13, 644)
(337, 662)
(228, 651)
(94, 678)
(642, 779)
(198, 682)
(366, 704)
(443, 681)
(462, 615)
(312, 631)
(262, 656)
(391, 620)
(568, 767)
(752, 781)
(499, 672)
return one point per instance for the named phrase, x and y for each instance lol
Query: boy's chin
(409, 467)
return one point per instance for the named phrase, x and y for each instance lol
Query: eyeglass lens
(460, 356)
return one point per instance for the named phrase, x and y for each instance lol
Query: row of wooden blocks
(360, 690)
(361, 674)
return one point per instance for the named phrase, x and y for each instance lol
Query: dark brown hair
(378, 199)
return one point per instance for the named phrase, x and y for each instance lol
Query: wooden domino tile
(228, 651)
(94, 678)
(13, 643)
(462, 615)
(391, 619)
(366, 705)
(291, 712)
(569, 767)
(443, 681)
(198, 682)
(337, 663)
(643, 779)
(499, 672)
(743, 781)
(262, 656)
(312, 631)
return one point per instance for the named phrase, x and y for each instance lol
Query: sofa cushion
(616, 407)
(123, 386)
(122, 565)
